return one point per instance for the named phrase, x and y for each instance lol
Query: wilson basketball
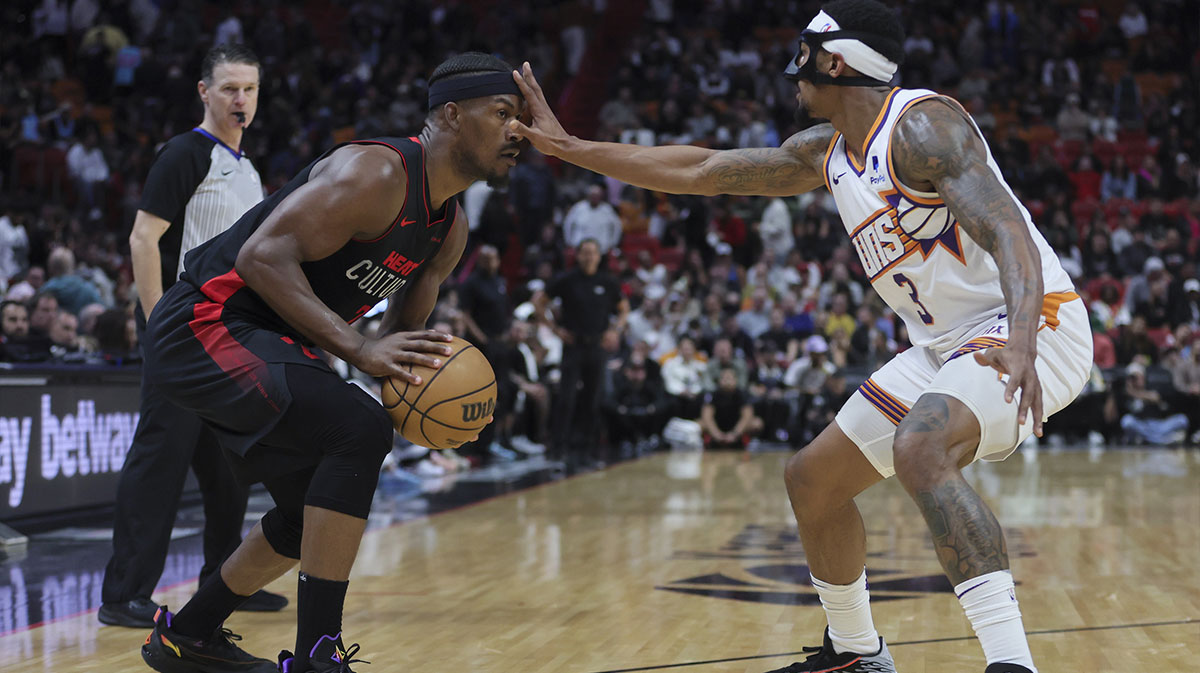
(452, 404)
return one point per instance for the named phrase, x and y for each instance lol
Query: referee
(200, 184)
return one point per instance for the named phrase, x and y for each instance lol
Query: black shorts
(235, 376)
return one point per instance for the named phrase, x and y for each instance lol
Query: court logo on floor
(773, 571)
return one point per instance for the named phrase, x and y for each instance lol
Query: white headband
(858, 55)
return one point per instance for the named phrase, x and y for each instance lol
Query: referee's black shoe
(169, 652)
(1006, 668)
(264, 601)
(137, 613)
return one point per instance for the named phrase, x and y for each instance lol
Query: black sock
(318, 612)
(211, 605)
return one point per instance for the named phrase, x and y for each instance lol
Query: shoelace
(817, 656)
(349, 659)
(226, 638)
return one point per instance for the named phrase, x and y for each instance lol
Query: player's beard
(472, 164)
(803, 116)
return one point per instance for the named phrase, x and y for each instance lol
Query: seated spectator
(64, 336)
(839, 317)
(683, 378)
(1072, 121)
(72, 291)
(727, 418)
(116, 337)
(1138, 291)
(755, 318)
(42, 312)
(1118, 181)
(1184, 365)
(1133, 340)
(823, 407)
(1186, 311)
(781, 338)
(29, 286)
(773, 401)
(808, 373)
(636, 410)
(17, 344)
(530, 410)
(1146, 416)
(620, 113)
(1104, 353)
(723, 357)
(1099, 258)
(592, 218)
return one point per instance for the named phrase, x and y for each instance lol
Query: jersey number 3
(903, 280)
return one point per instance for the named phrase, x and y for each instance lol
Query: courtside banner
(63, 440)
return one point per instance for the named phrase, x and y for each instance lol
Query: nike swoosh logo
(227, 172)
(839, 177)
(405, 222)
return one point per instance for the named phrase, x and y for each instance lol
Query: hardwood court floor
(689, 562)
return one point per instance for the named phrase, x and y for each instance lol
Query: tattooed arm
(795, 167)
(936, 148)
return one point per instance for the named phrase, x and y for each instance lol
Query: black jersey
(354, 278)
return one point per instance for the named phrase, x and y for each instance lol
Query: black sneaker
(264, 601)
(168, 652)
(137, 613)
(327, 656)
(1006, 668)
(825, 658)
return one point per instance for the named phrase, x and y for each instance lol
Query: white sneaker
(1095, 438)
(527, 446)
(460, 463)
(427, 468)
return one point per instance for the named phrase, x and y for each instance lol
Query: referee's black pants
(167, 441)
(579, 405)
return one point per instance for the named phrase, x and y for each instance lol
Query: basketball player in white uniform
(1001, 340)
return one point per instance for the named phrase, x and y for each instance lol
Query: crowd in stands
(749, 316)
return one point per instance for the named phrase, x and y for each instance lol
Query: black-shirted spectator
(42, 311)
(17, 343)
(727, 417)
(637, 409)
(589, 299)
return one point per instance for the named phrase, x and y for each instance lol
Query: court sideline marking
(1177, 622)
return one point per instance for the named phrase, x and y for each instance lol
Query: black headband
(472, 86)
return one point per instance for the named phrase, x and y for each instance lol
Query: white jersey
(925, 266)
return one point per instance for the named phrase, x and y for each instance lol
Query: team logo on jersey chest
(901, 228)
(381, 279)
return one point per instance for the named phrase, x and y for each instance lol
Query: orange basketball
(452, 404)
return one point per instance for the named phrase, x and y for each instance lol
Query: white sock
(990, 602)
(848, 609)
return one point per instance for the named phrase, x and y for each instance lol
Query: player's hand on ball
(544, 131)
(387, 356)
(1022, 374)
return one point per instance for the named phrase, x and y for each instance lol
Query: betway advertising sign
(62, 446)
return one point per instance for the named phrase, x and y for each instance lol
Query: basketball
(452, 403)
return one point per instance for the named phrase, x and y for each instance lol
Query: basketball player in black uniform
(233, 342)
(200, 184)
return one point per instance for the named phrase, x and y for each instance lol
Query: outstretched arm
(795, 167)
(937, 147)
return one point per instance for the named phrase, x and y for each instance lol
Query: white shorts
(1064, 360)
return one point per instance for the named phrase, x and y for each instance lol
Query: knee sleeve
(354, 449)
(284, 531)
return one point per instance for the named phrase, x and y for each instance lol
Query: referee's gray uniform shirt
(201, 186)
